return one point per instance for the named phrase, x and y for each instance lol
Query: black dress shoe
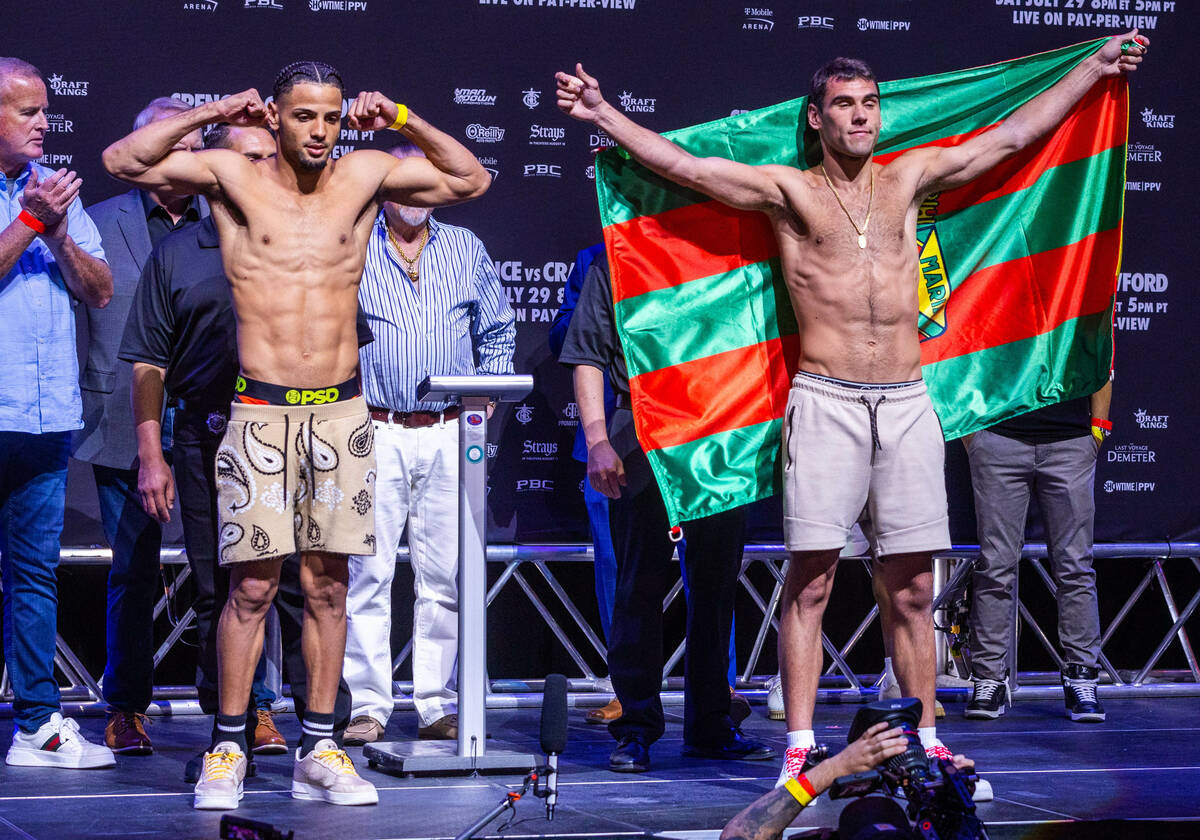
(631, 756)
(191, 771)
(737, 747)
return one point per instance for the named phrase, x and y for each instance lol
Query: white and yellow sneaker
(220, 784)
(327, 774)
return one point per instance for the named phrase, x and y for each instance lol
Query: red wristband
(31, 221)
(1106, 425)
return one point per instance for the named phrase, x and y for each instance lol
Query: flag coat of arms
(1017, 275)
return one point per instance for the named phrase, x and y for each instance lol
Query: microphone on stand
(553, 734)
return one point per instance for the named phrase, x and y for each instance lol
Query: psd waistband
(253, 392)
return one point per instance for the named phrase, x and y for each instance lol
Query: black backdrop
(483, 70)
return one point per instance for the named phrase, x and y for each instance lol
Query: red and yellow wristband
(801, 789)
(31, 221)
(1101, 429)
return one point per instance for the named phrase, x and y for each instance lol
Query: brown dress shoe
(444, 728)
(125, 734)
(364, 729)
(267, 740)
(605, 714)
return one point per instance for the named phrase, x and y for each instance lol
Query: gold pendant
(412, 275)
(862, 240)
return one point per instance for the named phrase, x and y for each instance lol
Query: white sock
(801, 738)
(929, 738)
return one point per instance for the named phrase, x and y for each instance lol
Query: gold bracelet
(401, 117)
(801, 789)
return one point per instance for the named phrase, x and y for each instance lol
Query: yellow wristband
(401, 117)
(801, 790)
(1098, 434)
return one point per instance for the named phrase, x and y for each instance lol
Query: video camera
(938, 794)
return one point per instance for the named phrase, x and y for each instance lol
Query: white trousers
(417, 484)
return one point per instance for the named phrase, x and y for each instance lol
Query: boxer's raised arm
(150, 158)
(943, 169)
(448, 174)
(730, 182)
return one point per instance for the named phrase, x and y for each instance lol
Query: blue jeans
(33, 495)
(605, 566)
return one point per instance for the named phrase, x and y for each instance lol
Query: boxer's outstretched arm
(730, 182)
(449, 172)
(943, 169)
(148, 158)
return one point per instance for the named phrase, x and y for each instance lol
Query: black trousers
(195, 454)
(638, 523)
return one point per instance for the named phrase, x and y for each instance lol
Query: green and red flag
(1017, 275)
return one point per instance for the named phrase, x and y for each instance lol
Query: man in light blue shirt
(434, 303)
(50, 257)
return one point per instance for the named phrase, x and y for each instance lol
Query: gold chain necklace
(862, 233)
(410, 266)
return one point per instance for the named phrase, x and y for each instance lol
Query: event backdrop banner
(483, 70)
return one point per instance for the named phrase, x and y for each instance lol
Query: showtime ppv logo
(631, 104)
(1129, 487)
(473, 96)
(1145, 420)
(61, 87)
(337, 5)
(55, 160)
(759, 20)
(865, 25)
(541, 135)
(1153, 120)
(485, 133)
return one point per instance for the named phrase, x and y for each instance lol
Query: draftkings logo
(61, 87)
(814, 22)
(200, 6)
(866, 25)
(758, 20)
(933, 285)
(59, 124)
(485, 133)
(542, 135)
(524, 414)
(1129, 487)
(1146, 420)
(631, 104)
(539, 450)
(473, 96)
(531, 98)
(1153, 120)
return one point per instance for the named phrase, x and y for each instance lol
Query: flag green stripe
(967, 100)
(702, 317)
(1071, 360)
(1071, 202)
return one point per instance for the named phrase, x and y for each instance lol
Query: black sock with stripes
(313, 728)
(230, 728)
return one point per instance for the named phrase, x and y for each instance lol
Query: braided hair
(314, 72)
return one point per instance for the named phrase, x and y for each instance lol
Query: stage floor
(1143, 763)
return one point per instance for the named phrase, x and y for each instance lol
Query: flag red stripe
(710, 395)
(701, 240)
(1022, 298)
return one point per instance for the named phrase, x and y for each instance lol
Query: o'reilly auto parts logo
(544, 135)
(61, 87)
(473, 96)
(1146, 420)
(485, 133)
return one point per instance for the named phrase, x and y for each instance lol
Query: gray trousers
(1005, 472)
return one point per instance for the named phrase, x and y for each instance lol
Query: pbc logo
(543, 170)
(535, 485)
(262, 4)
(531, 98)
(524, 414)
(1145, 420)
(816, 22)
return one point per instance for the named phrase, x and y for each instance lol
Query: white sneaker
(220, 784)
(775, 698)
(57, 743)
(328, 774)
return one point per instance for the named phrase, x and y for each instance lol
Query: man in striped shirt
(434, 302)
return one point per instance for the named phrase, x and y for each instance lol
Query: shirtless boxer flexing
(296, 468)
(860, 434)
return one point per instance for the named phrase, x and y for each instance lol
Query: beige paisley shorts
(296, 478)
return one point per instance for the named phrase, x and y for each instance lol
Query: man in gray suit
(130, 225)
